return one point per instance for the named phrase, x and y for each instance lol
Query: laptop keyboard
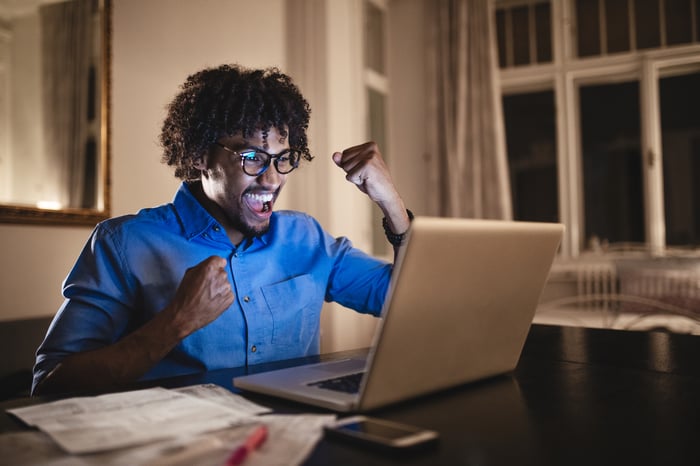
(347, 383)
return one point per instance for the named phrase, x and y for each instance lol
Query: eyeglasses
(255, 161)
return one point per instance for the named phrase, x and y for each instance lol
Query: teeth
(261, 197)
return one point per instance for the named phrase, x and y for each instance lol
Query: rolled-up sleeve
(358, 280)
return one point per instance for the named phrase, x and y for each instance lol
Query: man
(217, 278)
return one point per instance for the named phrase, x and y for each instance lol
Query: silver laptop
(462, 297)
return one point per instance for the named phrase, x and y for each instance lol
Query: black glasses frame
(294, 161)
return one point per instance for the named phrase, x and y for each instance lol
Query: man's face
(242, 203)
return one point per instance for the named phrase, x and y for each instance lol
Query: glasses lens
(287, 162)
(254, 163)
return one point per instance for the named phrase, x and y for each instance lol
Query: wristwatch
(394, 239)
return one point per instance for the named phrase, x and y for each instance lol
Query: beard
(248, 230)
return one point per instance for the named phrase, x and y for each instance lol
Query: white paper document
(106, 422)
(291, 438)
(223, 397)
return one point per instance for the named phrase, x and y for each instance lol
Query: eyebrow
(237, 144)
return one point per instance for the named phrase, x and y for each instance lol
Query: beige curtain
(465, 125)
(66, 41)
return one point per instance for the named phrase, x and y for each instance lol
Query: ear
(199, 163)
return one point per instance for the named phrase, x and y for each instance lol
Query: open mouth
(260, 203)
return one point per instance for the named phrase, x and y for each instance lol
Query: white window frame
(564, 76)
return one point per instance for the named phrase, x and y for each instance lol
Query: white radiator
(597, 285)
(676, 287)
(636, 294)
(639, 286)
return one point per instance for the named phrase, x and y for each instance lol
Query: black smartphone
(382, 434)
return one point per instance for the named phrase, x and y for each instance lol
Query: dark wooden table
(578, 397)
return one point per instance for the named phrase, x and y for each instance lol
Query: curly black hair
(229, 100)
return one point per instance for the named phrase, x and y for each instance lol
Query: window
(679, 98)
(532, 151)
(612, 163)
(524, 34)
(610, 26)
(374, 38)
(376, 90)
(603, 134)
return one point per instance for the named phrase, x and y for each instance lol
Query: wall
(5, 165)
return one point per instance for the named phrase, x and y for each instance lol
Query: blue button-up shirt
(132, 265)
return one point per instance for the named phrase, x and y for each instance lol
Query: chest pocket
(295, 305)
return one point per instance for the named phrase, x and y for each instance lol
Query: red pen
(253, 442)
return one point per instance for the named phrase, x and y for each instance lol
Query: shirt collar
(194, 219)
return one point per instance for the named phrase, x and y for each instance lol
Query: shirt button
(246, 299)
(253, 348)
(217, 228)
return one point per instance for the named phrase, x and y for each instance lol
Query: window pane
(374, 38)
(612, 171)
(647, 16)
(617, 26)
(376, 129)
(679, 27)
(697, 21)
(680, 131)
(588, 27)
(501, 37)
(543, 28)
(521, 35)
(531, 141)
(377, 119)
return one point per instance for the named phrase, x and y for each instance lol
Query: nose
(270, 178)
